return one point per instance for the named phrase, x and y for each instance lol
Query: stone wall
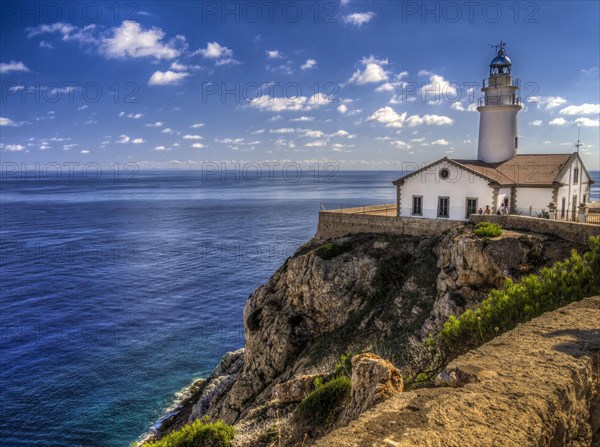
(570, 231)
(337, 224)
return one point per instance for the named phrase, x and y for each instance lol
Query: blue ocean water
(115, 294)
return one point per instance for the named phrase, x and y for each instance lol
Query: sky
(361, 84)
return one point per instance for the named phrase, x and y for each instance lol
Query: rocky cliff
(535, 386)
(354, 294)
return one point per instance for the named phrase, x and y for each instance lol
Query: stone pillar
(582, 212)
(552, 211)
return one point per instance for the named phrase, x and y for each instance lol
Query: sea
(117, 291)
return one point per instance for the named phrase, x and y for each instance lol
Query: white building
(499, 178)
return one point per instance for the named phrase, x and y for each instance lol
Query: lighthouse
(498, 108)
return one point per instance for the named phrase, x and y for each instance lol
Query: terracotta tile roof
(522, 170)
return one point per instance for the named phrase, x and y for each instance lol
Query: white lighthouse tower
(498, 137)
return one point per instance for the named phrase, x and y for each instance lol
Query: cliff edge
(365, 293)
(535, 386)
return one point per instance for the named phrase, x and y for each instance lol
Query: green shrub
(199, 433)
(330, 250)
(488, 229)
(344, 365)
(321, 406)
(564, 282)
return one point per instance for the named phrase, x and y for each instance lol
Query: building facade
(500, 180)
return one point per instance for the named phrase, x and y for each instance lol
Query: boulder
(373, 380)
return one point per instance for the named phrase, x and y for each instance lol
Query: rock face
(298, 322)
(294, 390)
(536, 386)
(373, 380)
(371, 295)
(220, 381)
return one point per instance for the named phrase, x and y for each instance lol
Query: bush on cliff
(564, 282)
(320, 407)
(200, 433)
(488, 229)
(330, 250)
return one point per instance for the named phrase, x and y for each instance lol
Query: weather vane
(499, 47)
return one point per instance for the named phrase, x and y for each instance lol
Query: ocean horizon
(117, 295)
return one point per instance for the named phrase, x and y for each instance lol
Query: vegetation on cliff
(200, 433)
(517, 302)
(487, 229)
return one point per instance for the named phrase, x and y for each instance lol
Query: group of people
(502, 211)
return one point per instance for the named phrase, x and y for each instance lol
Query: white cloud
(156, 124)
(558, 122)
(274, 54)
(283, 130)
(297, 103)
(387, 87)
(83, 107)
(130, 39)
(310, 63)
(84, 151)
(8, 122)
(220, 54)
(390, 118)
(230, 140)
(197, 145)
(166, 77)
(583, 109)
(372, 73)
(387, 116)
(316, 143)
(312, 133)
(440, 142)
(177, 66)
(342, 108)
(461, 108)
(282, 68)
(197, 125)
(587, 122)
(258, 132)
(167, 130)
(7, 67)
(342, 133)
(428, 120)
(138, 141)
(123, 139)
(438, 88)
(67, 31)
(159, 148)
(400, 144)
(536, 123)
(14, 147)
(359, 18)
(303, 119)
(192, 137)
(547, 102)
